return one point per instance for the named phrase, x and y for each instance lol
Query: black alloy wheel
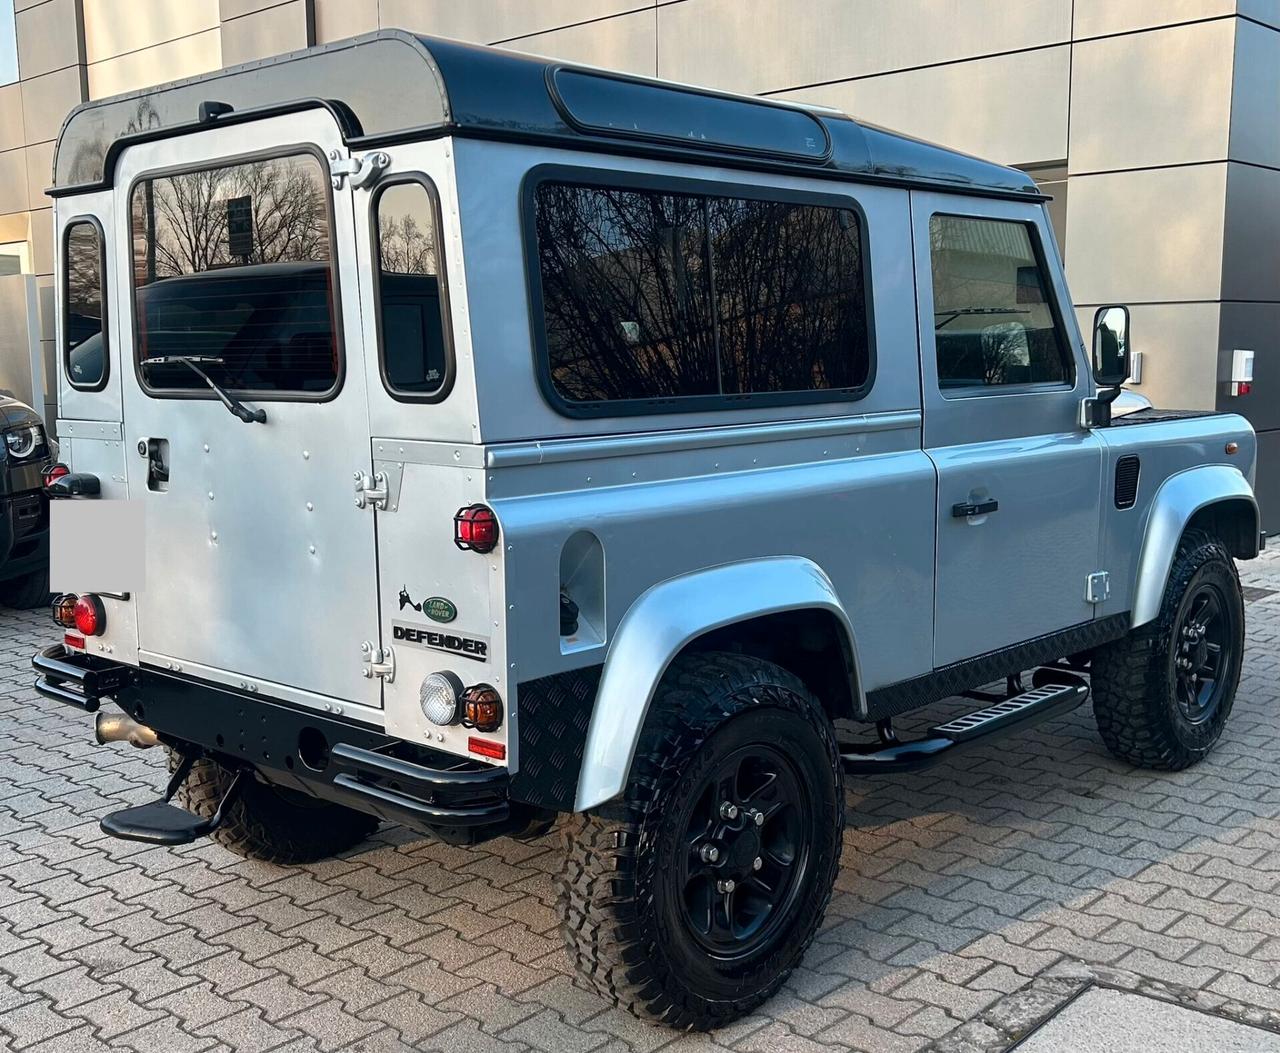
(1203, 651)
(748, 842)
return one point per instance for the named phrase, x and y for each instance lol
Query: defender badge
(437, 608)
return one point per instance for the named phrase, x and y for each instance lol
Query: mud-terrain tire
(271, 823)
(1150, 711)
(27, 592)
(646, 919)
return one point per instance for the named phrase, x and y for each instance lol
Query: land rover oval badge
(438, 609)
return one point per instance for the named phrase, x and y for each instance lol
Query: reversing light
(486, 748)
(64, 610)
(438, 697)
(475, 529)
(90, 616)
(482, 708)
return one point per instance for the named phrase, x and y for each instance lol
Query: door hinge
(371, 491)
(361, 170)
(1097, 586)
(379, 662)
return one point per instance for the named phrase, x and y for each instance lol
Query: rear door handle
(967, 509)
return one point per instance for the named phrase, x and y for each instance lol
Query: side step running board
(945, 740)
(162, 823)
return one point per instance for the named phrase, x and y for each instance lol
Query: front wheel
(691, 899)
(1162, 695)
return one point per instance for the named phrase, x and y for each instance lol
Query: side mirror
(1111, 362)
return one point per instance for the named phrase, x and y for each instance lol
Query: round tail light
(475, 528)
(90, 616)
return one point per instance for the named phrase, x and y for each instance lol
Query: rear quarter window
(656, 299)
(84, 316)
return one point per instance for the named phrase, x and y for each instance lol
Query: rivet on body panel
(311, 549)
(206, 447)
(306, 455)
(213, 535)
(210, 495)
(310, 507)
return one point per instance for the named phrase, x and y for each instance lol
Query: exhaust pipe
(120, 727)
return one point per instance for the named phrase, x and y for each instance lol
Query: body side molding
(661, 623)
(1179, 498)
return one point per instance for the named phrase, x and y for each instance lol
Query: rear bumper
(453, 798)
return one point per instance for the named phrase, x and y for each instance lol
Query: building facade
(1155, 124)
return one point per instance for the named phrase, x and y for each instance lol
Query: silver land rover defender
(515, 439)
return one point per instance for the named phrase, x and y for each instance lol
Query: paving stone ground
(957, 888)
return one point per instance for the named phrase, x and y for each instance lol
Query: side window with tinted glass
(411, 298)
(993, 318)
(84, 316)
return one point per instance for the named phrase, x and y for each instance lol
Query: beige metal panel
(11, 128)
(112, 27)
(762, 46)
(22, 5)
(47, 100)
(1251, 250)
(42, 241)
(1179, 345)
(16, 226)
(1099, 17)
(1010, 108)
(627, 42)
(39, 174)
(155, 65)
(1255, 107)
(1156, 98)
(487, 21)
(1153, 235)
(268, 32)
(47, 37)
(13, 180)
(237, 8)
(337, 19)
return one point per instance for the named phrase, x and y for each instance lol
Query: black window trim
(608, 179)
(1066, 348)
(64, 312)
(202, 393)
(446, 315)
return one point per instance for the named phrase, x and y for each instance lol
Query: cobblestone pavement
(957, 887)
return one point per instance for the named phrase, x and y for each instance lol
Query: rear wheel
(269, 822)
(29, 591)
(1162, 695)
(690, 900)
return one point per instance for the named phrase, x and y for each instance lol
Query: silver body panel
(675, 524)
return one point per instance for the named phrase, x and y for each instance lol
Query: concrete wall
(1158, 120)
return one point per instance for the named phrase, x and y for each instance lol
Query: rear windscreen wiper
(194, 362)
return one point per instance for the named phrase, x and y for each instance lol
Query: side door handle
(967, 510)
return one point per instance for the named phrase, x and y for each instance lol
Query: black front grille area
(1127, 471)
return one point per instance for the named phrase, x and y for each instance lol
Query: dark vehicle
(24, 509)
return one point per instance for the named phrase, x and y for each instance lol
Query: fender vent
(1127, 469)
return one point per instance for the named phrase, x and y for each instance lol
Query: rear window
(82, 323)
(232, 265)
(656, 300)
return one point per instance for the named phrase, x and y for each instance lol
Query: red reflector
(496, 750)
(73, 641)
(475, 528)
(55, 472)
(91, 618)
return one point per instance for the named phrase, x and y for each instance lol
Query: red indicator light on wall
(475, 529)
(90, 617)
(485, 748)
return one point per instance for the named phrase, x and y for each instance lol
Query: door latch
(1097, 587)
(371, 491)
(379, 662)
(361, 170)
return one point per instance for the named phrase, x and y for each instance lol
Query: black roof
(392, 85)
